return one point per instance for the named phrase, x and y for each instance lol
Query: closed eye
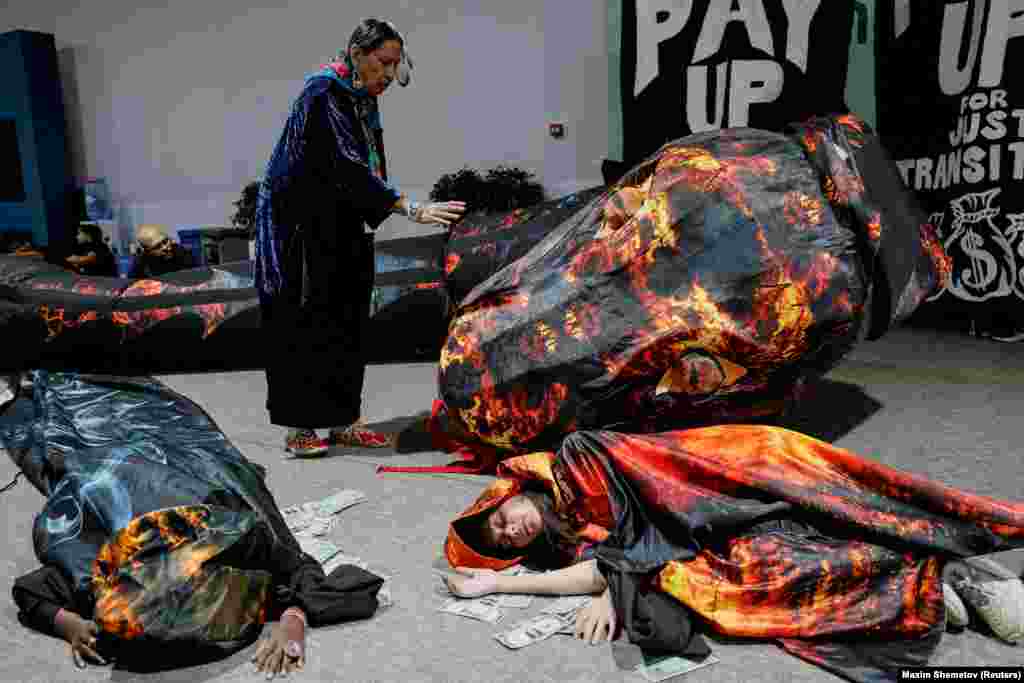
(498, 526)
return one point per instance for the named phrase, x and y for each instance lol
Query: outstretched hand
(444, 213)
(596, 621)
(284, 651)
(472, 583)
(81, 634)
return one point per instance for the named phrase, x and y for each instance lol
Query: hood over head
(464, 547)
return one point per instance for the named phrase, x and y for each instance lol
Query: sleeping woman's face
(516, 523)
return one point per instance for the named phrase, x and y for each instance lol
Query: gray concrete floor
(945, 405)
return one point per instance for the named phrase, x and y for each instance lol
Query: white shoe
(994, 592)
(956, 610)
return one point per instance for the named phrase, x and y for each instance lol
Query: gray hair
(371, 33)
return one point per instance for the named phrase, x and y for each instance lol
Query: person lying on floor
(157, 531)
(753, 531)
(232, 590)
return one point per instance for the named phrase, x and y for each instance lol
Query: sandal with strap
(359, 436)
(305, 443)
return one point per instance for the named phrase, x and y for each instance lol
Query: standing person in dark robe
(325, 184)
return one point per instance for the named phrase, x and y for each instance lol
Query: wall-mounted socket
(557, 129)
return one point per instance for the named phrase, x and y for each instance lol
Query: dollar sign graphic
(982, 273)
(983, 264)
(1016, 230)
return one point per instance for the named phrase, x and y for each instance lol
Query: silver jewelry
(412, 208)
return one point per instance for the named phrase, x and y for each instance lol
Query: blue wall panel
(30, 93)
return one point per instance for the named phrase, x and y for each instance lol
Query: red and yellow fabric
(699, 289)
(155, 578)
(871, 570)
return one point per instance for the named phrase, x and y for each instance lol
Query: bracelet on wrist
(412, 209)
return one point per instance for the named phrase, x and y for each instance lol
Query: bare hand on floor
(284, 651)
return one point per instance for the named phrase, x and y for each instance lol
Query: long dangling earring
(356, 81)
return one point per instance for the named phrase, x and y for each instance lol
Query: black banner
(951, 111)
(695, 65)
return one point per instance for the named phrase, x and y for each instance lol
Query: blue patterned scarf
(367, 111)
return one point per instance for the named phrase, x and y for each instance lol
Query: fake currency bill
(299, 517)
(656, 669)
(567, 606)
(341, 500)
(321, 551)
(318, 518)
(319, 526)
(540, 627)
(473, 609)
(514, 601)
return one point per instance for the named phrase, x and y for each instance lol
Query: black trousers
(316, 329)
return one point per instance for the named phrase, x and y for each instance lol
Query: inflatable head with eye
(700, 288)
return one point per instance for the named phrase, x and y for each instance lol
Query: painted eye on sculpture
(699, 375)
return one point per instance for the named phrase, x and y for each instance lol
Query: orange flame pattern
(164, 553)
(132, 323)
(729, 248)
(762, 582)
(776, 586)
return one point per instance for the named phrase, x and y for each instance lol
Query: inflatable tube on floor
(195, 320)
(189, 320)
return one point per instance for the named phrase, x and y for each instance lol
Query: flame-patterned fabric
(699, 289)
(858, 593)
(157, 578)
(149, 507)
(56, 318)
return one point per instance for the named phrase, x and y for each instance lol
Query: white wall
(180, 106)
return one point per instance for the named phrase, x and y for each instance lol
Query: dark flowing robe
(155, 526)
(762, 532)
(314, 259)
(704, 287)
